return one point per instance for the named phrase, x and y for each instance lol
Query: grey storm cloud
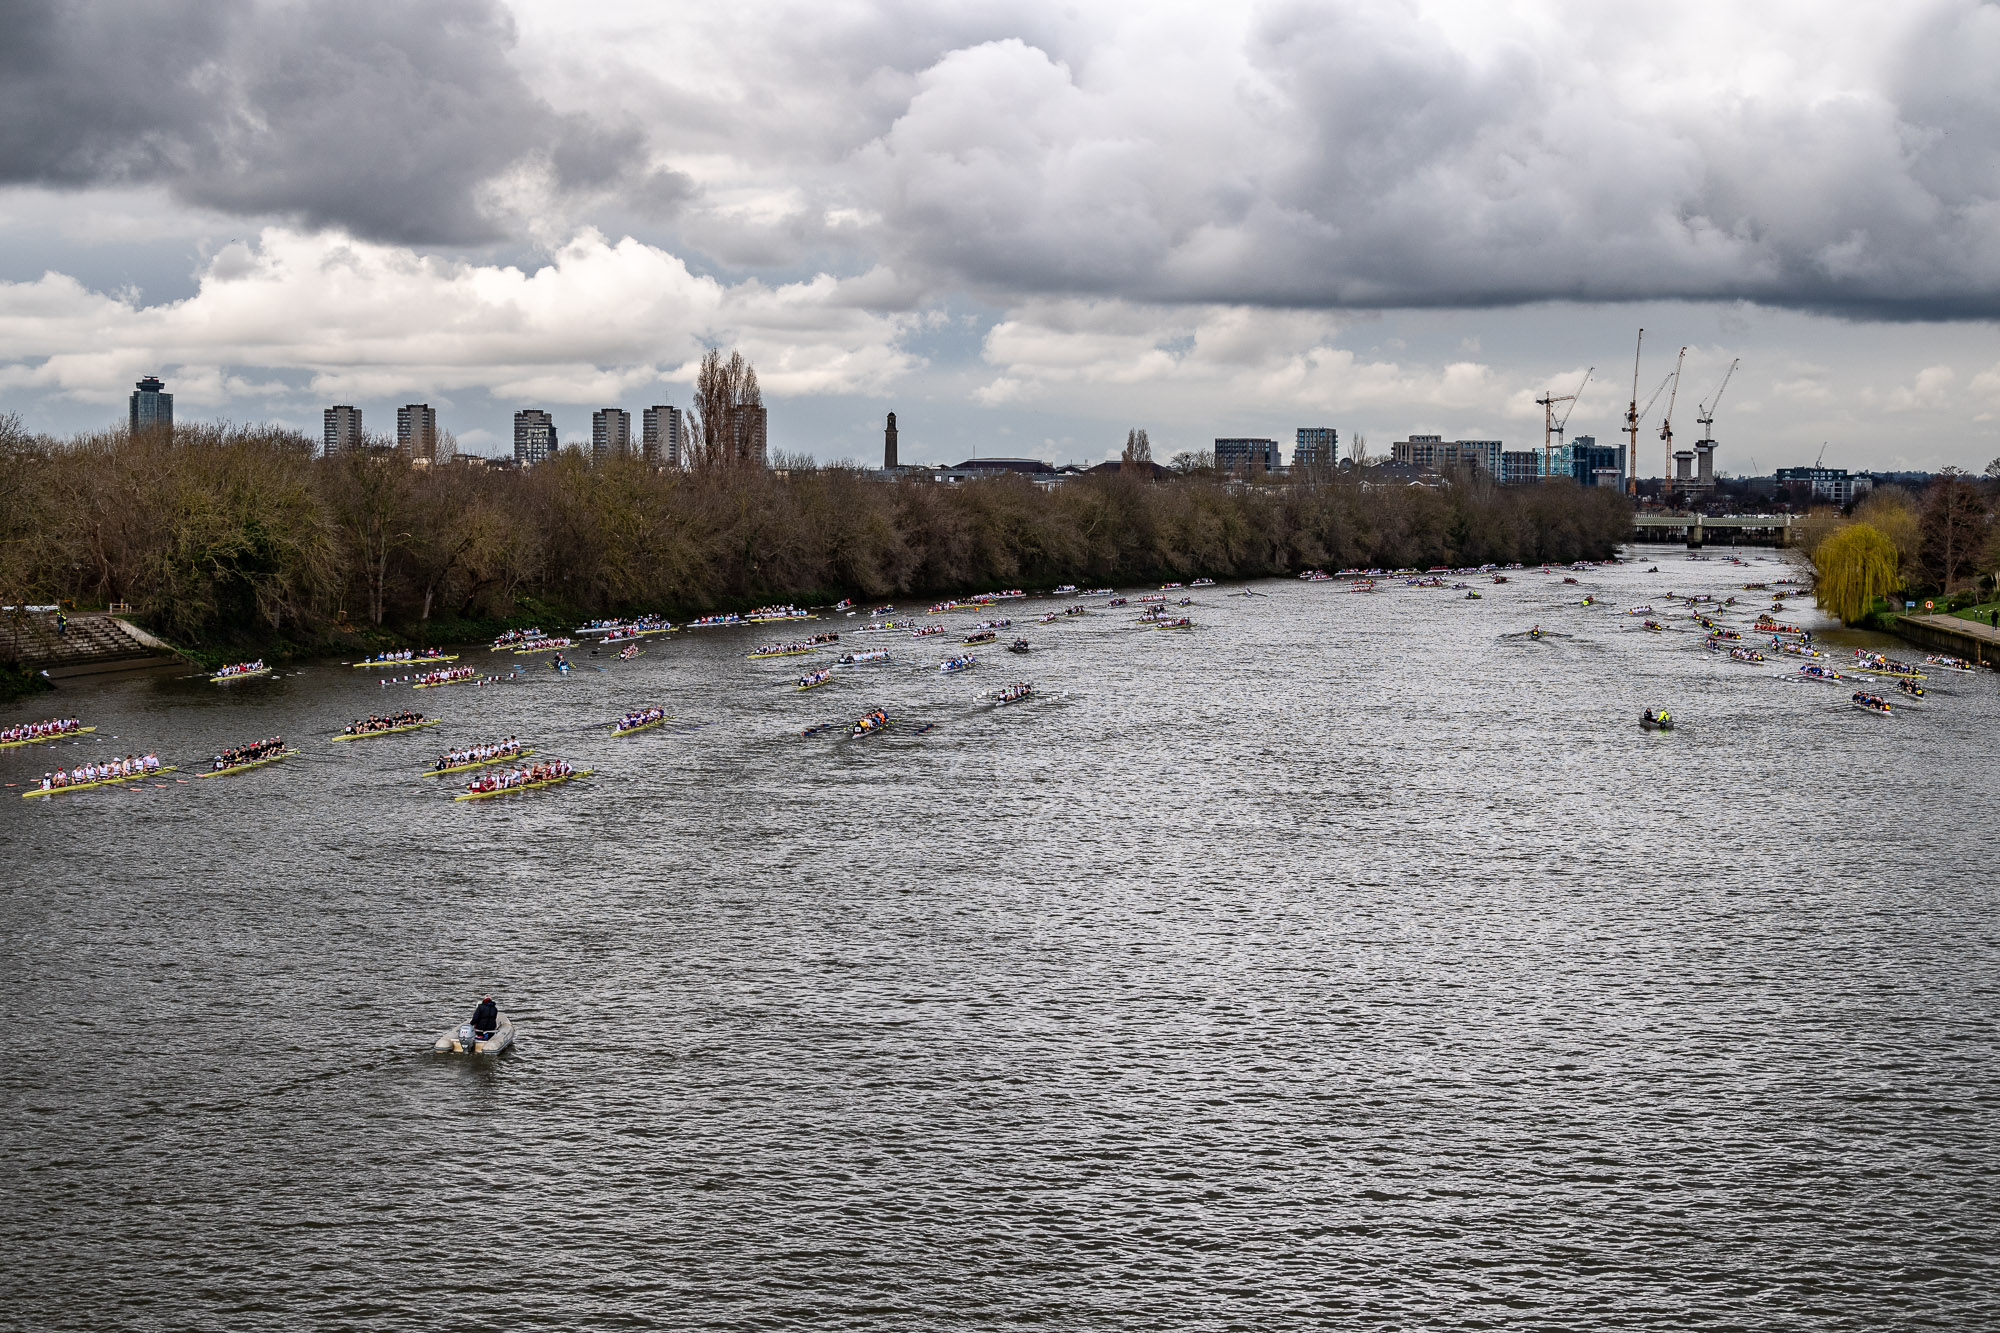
(1347, 154)
(385, 119)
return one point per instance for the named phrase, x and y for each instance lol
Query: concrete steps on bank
(93, 644)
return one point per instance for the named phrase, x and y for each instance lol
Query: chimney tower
(889, 445)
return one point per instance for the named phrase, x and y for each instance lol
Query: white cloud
(599, 320)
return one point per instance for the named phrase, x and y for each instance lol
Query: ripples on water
(1343, 962)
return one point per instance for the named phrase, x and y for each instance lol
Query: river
(1346, 961)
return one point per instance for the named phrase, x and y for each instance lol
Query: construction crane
(1632, 421)
(1704, 448)
(1562, 427)
(1667, 428)
(1547, 402)
(1706, 411)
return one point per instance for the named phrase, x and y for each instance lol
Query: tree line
(215, 532)
(1943, 543)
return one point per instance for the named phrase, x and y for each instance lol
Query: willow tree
(1856, 565)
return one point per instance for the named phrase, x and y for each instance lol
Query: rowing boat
(254, 763)
(405, 661)
(544, 646)
(480, 763)
(643, 726)
(801, 650)
(52, 736)
(100, 782)
(472, 679)
(384, 731)
(224, 677)
(525, 786)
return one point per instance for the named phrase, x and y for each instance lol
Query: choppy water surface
(1343, 962)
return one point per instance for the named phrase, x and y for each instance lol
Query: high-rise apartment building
(1519, 466)
(1317, 446)
(152, 407)
(662, 436)
(1434, 451)
(1594, 464)
(534, 436)
(1247, 455)
(417, 436)
(746, 435)
(342, 430)
(610, 434)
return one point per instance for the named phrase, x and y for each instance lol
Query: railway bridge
(1699, 530)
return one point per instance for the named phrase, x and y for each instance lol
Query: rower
(485, 1019)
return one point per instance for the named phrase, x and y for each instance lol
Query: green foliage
(1856, 565)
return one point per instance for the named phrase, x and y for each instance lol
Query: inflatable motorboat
(461, 1041)
(1656, 720)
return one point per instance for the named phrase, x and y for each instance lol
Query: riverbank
(1971, 640)
(242, 540)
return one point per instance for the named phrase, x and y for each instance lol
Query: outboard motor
(467, 1043)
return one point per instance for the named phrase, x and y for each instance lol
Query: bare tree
(1138, 455)
(718, 436)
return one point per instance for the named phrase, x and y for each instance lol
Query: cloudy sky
(1022, 227)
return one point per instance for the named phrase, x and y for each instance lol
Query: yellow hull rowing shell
(480, 763)
(455, 680)
(789, 652)
(221, 678)
(526, 786)
(407, 661)
(101, 782)
(52, 736)
(385, 731)
(254, 763)
(643, 726)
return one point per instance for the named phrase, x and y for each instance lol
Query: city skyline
(888, 207)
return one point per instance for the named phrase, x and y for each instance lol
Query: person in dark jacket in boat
(485, 1019)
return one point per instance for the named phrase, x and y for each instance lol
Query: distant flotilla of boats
(508, 766)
